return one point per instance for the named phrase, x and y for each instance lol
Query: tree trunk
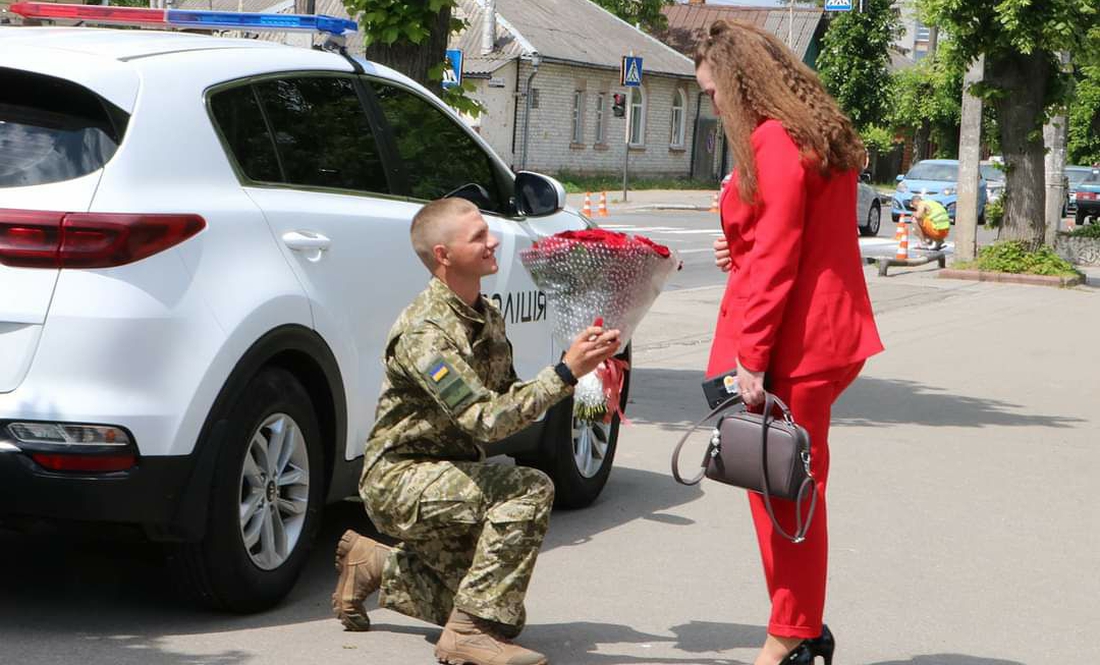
(1019, 115)
(921, 141)
(414, 60)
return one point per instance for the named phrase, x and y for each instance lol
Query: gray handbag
(760, 453)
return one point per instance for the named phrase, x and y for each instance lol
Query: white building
(561, 58)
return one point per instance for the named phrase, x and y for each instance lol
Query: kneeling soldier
(469, 531)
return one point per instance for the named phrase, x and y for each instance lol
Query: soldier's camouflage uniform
(470, 532)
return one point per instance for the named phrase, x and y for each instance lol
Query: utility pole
(790, 25)
(1054, 136)
(970, 143)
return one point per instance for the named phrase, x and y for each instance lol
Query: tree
(925, 100)
(646, 13)
(411, 37)
(1023, 81)
(1084, 118)
(854, 64)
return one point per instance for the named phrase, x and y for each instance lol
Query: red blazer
(796, 299)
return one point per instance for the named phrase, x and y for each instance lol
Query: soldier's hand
(593, 346)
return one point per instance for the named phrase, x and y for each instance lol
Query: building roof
(688, 23)
(565, 31)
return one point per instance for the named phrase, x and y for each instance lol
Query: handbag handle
(676, 453)
(770, 402)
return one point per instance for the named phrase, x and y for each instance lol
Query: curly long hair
(760, 79)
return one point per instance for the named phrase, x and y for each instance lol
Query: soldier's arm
(431, 360)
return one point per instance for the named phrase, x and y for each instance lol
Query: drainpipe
(536, 59)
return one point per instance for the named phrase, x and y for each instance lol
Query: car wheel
(874, 221)
(981, 219)
(577, 455)
(1079, 217)
(265, 500)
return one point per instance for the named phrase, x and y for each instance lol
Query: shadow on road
(948, 659)
(672, 399)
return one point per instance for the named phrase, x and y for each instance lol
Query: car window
(322, 133)
(949, 172)
(53, 130)
(439, 156)
(1092, 178)
(992, 172)
(238, 116)
(1077, 175)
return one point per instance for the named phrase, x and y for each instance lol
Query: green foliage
(877, 139)
(854, 63)
(646, 13)
(995, 212)
(1012, 256)
(391, 21)
(1087, 231)
(1083, 146)
(930, 90)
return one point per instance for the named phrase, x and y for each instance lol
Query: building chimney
(489, 28)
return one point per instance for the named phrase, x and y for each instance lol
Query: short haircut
(431, 226)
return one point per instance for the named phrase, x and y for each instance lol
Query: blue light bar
(258, 21)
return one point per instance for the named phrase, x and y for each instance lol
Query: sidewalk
(649, 199)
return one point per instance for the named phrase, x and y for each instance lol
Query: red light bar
(93, 13)
(93, 463)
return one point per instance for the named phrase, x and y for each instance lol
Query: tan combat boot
(467, 640)
(359, 562)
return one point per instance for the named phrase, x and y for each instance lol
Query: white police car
(203, 243)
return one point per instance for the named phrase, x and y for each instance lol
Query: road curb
(1010, 278)
(662, 206)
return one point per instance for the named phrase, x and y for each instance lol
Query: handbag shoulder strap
(736, 399)
(808, 484)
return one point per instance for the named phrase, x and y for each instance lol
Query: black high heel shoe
(804, 654)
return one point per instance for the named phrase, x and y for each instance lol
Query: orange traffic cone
(602, 210)
(902, 236)
(587, 209)
(714, 203)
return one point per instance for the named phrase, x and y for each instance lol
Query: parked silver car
(868, 207)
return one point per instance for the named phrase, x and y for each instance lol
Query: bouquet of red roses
(597, 274)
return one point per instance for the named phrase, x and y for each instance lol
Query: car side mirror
(899, 178)
(865, 177)
(538, 195)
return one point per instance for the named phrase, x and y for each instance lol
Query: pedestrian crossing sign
(452, 73)
(838, 5)
(631, 73)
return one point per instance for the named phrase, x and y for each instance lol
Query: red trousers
(795, 573)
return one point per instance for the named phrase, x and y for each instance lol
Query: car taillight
(1086, 196)
(93, 463)
(40, 239)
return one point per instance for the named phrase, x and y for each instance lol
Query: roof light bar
(183, 18)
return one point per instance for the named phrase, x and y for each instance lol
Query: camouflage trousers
(470, 533)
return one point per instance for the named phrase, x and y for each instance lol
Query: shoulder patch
(447, 384)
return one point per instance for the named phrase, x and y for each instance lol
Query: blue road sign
(631, 73)
(838, 5)
(452, 75)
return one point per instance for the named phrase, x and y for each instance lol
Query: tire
(1079, 217)
(222, 571)
(981, 219)
(578, 458)
(874, 221)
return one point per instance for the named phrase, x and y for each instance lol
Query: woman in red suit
(795, 315)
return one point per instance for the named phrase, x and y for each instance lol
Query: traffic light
(618, 104)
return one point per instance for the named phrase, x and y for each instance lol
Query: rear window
(1077, 175)
(53, 130)
(948, 172)
(1092, 179)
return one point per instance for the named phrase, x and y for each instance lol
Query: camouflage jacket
(450, 385)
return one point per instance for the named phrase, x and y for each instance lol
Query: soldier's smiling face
(472, 249)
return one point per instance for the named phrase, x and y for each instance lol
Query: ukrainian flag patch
(439, 371)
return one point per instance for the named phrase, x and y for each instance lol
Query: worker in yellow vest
(932, 222)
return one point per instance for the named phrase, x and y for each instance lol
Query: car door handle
(302, 241)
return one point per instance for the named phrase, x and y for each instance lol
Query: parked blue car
(936, 179)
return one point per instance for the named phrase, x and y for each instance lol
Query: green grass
(579, 184)
(1012, 256)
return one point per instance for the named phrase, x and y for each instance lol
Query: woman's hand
(751, 386)
(722, 255)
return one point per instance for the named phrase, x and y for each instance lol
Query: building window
(637, 116)
(578, 116)
(679, 107)
(601, 128)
